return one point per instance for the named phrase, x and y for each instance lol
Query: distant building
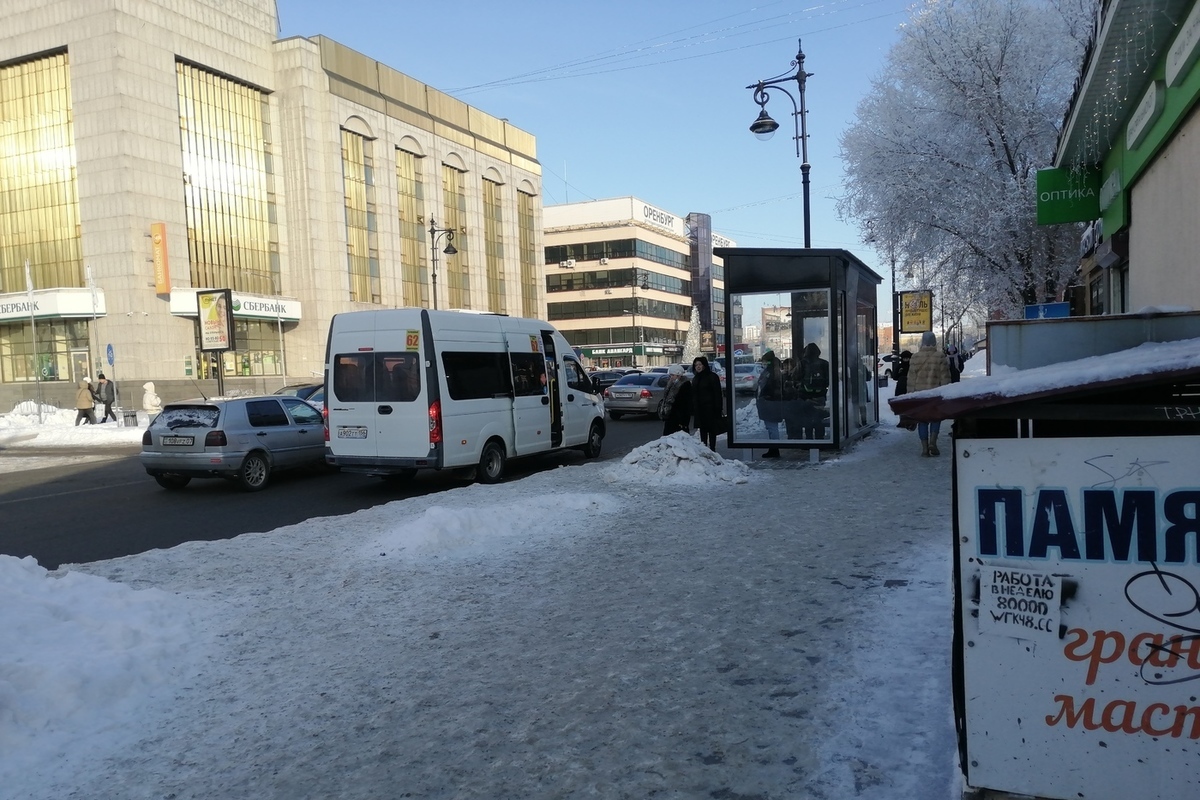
(622, 277)
(152, 149)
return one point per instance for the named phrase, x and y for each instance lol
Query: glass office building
(203, 153)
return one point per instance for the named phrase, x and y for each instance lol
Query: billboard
(215, 310)
(916, 311)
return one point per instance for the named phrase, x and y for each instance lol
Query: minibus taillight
(435, 422)
(325, 419)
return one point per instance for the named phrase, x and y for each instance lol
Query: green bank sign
(1067, 195)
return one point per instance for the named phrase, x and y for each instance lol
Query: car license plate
(622, 395)
(178, 441)
(352, 433)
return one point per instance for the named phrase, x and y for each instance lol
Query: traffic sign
(110, 355)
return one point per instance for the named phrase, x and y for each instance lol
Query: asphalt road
(107, 506)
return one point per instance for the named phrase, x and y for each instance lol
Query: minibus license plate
(352, 433)
(186, 441)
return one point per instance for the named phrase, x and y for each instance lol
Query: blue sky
(648, 98)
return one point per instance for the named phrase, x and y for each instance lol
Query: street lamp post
(435, 236)
(764, 127)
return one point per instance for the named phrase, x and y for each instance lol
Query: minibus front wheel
(491, 463)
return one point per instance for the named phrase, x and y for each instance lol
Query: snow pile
(77, 651)
(57, 428)
(471, 527)
(1139, 361)
(678, 459)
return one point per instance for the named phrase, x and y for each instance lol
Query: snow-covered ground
(673, 625)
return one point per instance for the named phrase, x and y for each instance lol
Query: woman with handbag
(708, 402)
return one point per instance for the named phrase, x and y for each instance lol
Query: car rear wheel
(594, 442)
(491, 464)
(616, 415)
(172, 481)
(254, 473)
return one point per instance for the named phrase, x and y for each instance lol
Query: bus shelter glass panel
(793, 393)
(862, 382)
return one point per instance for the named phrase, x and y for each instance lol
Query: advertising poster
(215, 309)
(1080, 597)
(916, 312)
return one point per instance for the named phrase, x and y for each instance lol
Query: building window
(229, 199)
(493, 246)
(529, 261)
(454, 211)
(257, 353)
(362, 247)
(1096, 298)
(414, 266)
(61, 354)
(39, 205)
(619, 248)
(577, 280)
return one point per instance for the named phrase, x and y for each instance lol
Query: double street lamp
(764, 127)
(435, 237)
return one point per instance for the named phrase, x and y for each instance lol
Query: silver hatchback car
(243, 439)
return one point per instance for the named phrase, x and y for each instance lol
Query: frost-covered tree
(942, 159)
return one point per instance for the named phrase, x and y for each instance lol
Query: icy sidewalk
(593, 631)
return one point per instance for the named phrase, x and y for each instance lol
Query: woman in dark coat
(708, 401)
(677, 402)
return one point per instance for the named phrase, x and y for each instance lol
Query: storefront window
(61, 353)
(258, 352)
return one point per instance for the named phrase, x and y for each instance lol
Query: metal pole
(895, 316)
(37, 356)
(282, 355)
(433, 251)
(802, 79)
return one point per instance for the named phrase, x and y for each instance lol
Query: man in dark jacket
(106, 393)
(768, 399)
(813, 386)
(708, 402)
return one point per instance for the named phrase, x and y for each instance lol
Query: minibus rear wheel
(491, 463)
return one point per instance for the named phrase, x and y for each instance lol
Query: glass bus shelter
(809, 322)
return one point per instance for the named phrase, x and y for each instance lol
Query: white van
(411, 388)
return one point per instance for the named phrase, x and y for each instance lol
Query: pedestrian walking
(85, 402)
(708, 402)
(928, 370)
(677, 402)
(955, 362)
(106, 393)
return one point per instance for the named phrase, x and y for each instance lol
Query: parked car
(605, 378)
(637, 393)
(242, 439)
(745, 378)
(314, 393)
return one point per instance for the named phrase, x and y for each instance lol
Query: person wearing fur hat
(928, 370)
(708, 402)
(677, 402)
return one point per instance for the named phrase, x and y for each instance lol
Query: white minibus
(411, 388)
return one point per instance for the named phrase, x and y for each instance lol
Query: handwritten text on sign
(1019, 602)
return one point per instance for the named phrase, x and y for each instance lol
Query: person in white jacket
(151, 402)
